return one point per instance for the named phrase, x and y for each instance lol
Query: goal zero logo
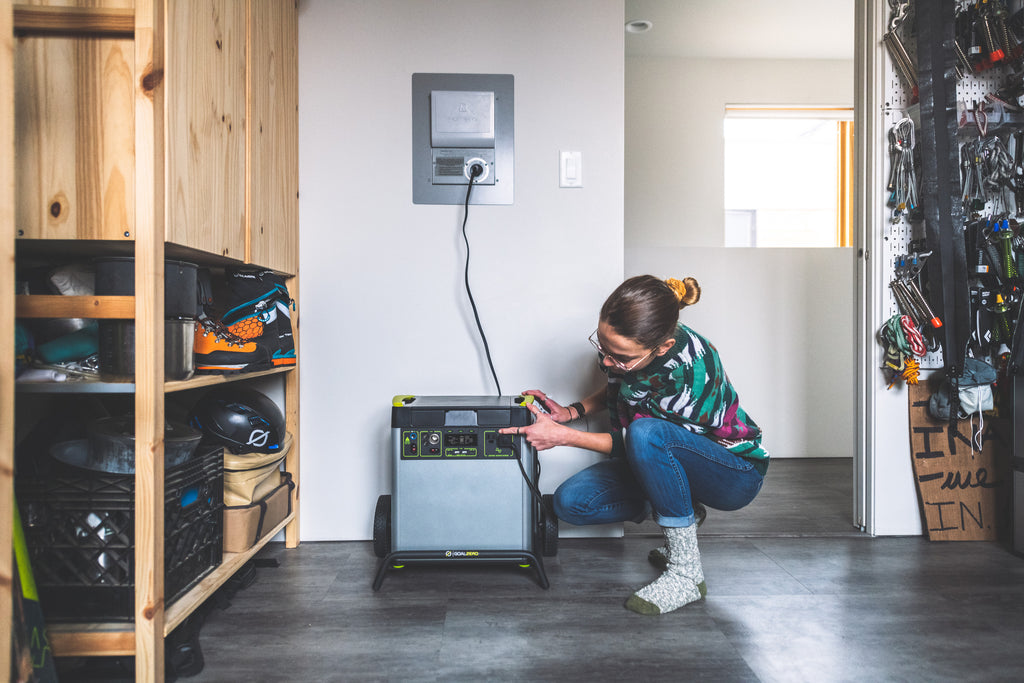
(461, 553)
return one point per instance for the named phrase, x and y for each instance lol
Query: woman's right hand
(556, 412)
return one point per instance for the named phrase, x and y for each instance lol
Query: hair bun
(686, 290)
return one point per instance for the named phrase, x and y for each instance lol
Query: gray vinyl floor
(798, 599)
(800, 497)
(795, 594)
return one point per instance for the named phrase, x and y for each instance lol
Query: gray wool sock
(659, 556)
(680, 583)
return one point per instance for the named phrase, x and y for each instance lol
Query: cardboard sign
(957, 484)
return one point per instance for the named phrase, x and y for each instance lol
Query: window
(788, 176)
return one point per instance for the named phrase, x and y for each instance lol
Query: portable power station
(461, 491)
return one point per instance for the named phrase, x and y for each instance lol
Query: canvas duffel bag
(249, 477)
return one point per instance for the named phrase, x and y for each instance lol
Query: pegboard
(899, 231)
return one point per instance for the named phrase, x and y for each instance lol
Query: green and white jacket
(687, 386)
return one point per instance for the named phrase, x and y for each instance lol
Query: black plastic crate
(80, 530)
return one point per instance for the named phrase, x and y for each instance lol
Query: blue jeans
(666, 469)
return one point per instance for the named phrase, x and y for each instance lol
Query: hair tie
(678, 287)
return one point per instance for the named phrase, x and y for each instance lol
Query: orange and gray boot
(218, 351)
(259, 309)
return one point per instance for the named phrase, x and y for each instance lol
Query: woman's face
(622, 354)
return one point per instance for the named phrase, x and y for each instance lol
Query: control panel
(456, 442)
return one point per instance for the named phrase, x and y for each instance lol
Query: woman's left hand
(558, 412)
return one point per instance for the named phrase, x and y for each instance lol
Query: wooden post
(149, 341)
(7, 343)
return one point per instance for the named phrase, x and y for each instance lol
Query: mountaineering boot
(219, 351)
(259, 309)
(682, 580)
(659, 556)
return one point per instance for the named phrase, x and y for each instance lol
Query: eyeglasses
(619, 364)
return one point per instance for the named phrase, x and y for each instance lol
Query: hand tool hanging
(943, 213)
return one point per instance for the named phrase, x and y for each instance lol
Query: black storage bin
(80, 530)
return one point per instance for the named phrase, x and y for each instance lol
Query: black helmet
(243, 420)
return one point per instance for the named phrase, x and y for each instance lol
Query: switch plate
(570, 169)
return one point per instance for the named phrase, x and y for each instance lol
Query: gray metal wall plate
(496, 185)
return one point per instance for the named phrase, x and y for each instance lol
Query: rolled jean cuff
(675, 522)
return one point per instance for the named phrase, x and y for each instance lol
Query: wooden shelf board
(73, 21)
(57, 306)
(85, 640)
(118, 638)
(97, 387)
(211, 380)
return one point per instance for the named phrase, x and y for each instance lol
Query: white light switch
(570, 169)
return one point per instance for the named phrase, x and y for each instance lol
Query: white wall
(384, 311)
(793, 368)
(783, 319)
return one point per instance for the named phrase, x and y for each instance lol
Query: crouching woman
(678, 438)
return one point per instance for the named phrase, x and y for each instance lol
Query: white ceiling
(743, 29)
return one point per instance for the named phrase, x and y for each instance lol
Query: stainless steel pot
(117, 350)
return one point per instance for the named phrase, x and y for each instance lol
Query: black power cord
(474, 171)
(532, 484)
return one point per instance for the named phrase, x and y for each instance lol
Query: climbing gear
(903, 342)
(940, 162)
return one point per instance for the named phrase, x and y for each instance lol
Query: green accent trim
(400, 400)
(28, 582)
(526, 399)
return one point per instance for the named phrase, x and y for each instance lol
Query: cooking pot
(111, 446)
(117, 350)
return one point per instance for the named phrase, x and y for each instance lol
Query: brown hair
(646, 309)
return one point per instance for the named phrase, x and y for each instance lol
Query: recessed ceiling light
(638, 26)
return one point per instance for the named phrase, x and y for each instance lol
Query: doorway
(783, 319)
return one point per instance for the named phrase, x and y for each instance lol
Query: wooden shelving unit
(99, 387)
(6, 340)
(54, 306)
(141, 70)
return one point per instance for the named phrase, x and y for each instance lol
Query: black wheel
(549, 529)
(382, 527)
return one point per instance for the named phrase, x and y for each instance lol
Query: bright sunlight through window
(788, 176)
